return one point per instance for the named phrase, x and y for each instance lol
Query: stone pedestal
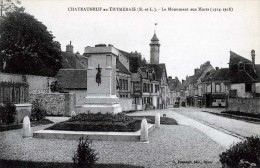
(144, 131)
(22, 110)
(27, 131)
(101, 80)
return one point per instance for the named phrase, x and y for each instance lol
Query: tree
(10, 6)
(27, 47)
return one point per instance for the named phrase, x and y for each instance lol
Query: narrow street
(236, 127)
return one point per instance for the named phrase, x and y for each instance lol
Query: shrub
(55, 87)
(85, 156)
(242, 154)
(108, 117)
(99, 122)
(38, 112)
(7, 113)
(2, 112)
(10, 110)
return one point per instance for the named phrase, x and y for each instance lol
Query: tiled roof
(73, 61)
(174, 84)
(208, 76)
(72, 78)
(241, 77)
(221, 74)
(246, 75)
(121, 68)
(235, 58)
(158, 69)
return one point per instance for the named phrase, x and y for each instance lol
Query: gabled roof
(241, 77)
(158, 69)
(208, 76)
(73, 61)
(121, 68)
(221, 74)
(235, 58)
(188, 81)
(72, 78)
(200, 72)
(174, 84)
(126, 54)
(236, 75)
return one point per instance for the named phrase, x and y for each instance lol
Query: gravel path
(169, 146)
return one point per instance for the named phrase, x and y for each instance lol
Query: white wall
(257, 87)
(126, 104)
(240, 87)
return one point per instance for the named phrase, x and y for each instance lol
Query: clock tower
(154, 50)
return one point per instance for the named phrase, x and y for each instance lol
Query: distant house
(257, 84)
(176, 93)
(160, 75)
(216, 86)
(243, 77)
(73, 74)
(193, 85)
(244, 93)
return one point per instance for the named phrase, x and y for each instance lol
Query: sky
(187, 38)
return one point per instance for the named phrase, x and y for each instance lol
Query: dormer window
(241, 66)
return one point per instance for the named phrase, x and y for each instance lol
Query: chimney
(217, 68)
(253, 56)
(69, 48)
(182, 81)
(169, 77)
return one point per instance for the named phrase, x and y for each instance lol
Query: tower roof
(155, 40)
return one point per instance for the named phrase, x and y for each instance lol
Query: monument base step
(103, 108)
(102, 136)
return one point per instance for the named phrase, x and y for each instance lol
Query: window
(233, 93)
(126, 84)
(120, 84)
(241, 66)
(90, 66)
(217, 87)
(109, 61)
(248, 87)
(151, 88)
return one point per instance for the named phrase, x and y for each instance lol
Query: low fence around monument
(246, 105)
(56, 104)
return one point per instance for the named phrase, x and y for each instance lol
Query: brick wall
(247, 105)
(56, 104)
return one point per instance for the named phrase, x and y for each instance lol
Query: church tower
(154, 50)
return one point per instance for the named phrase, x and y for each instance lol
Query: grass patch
(238, 113)
(99, 122)
(7, 127)
(163, 120)
(31, 164)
